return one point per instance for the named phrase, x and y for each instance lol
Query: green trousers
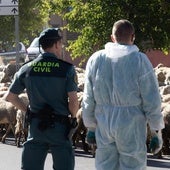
(36, 148)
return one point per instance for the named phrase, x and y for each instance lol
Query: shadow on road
(164, 162)
(81, 153)
(10, 141)
(159, 163)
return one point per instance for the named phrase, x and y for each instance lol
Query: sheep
(8, 117)
(80, 133)
(8, 72)
(3, 89)
(21, 130)
(166, 130)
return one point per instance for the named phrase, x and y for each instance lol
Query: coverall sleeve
(151, 99)
(88, 103)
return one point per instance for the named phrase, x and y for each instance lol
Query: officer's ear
(58, 44)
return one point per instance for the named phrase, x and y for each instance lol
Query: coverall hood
(118, 50)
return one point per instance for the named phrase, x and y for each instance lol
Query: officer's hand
(91, 139)
(27, 117)
(73, 126)
(73, 122)
(156, 141)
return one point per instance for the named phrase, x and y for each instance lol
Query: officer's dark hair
(46, 43)
(49, 36)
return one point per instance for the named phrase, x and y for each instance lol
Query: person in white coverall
(121, 96)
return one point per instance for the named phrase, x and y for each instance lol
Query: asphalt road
(10, 158)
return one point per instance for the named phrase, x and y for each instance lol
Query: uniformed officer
(52, 92)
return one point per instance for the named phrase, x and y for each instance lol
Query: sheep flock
(12, 120)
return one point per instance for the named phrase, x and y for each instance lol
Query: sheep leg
(6, 133)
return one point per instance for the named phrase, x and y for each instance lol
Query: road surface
(10, 158)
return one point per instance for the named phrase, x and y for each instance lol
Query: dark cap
(50, 33)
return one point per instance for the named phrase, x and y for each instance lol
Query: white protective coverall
(121, 96)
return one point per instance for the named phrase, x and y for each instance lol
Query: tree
(93, 20)
(33, 16)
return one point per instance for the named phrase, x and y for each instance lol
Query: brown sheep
(7, 117)
(21, 131)
(166, 130)
(9, 72)
(80, 136)
(80, 133)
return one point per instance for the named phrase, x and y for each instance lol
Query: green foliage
(93, 20)
(33, 16)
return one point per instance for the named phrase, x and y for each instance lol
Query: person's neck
(53, 51)
(125, 43)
